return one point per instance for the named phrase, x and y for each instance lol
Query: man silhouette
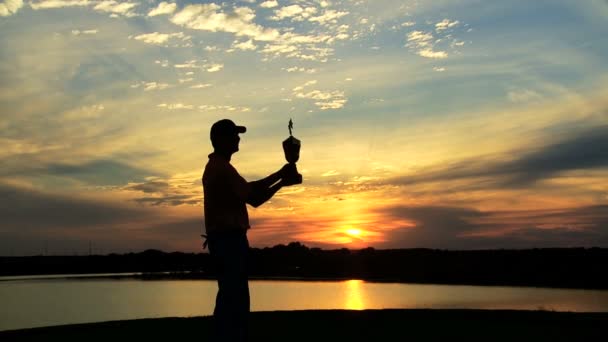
(226, 223)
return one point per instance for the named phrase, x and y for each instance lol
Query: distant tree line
(547, 267)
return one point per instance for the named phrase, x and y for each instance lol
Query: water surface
(43, 302)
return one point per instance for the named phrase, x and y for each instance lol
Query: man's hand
(288, 170)
(289, 175)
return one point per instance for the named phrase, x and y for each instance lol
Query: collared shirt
(225, 195)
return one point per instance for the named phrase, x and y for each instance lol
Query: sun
(354, 232)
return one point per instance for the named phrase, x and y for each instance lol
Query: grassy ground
(341, 325)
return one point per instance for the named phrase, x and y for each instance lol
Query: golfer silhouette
(226, 194)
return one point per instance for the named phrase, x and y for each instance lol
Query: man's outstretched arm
(262, 190)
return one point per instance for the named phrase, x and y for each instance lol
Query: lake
(43, 301)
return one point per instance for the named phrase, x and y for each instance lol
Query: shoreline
(364, 325)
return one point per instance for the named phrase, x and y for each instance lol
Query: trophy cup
(291, 147)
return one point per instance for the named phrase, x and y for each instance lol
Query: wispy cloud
(200, 85)
(157, 38)
(245, 46)
(84, 32)
(210, 17)
(292, 11)
(428, 53)
(9, 7)
(329, 17)
(173, 191)
(163, 8)
(465, 228)
(586, 150)
(147, 86)
(323, 99)
(117, 8)
(100, 172)
(330, 173)
(269, 4)
(445, 24)
(424, 42)
(47, 4)
(175, 106)
(523, 95)
(213, 67)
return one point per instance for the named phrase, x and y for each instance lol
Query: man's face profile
(228, 142)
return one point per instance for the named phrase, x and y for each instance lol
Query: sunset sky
(460, 124)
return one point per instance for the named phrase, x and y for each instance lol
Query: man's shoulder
(218, 166)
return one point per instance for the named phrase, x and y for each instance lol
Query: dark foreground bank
(343, 325)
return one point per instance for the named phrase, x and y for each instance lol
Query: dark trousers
(229, 253)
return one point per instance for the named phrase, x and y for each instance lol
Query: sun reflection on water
(354, 295)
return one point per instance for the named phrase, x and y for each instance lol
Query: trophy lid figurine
(291, 147)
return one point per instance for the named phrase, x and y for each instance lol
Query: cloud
(324, 99)
(287, 12)
(84, 112)
(173, 200)
(163, 8)
(46, 4)
(408, 24)
(294, 12)
(115, 8)
(428, 53)
(157, 38)
(98, 172)
(329, 17)
(420, 38)
(10, 7)
(246, 45)
(209, 17)
(434, 45)
(187, 65)
(330, 173)
(214, 67)
(585, 150)
(445, 24)
(164, 63)
(224, 108)
(439, 69)
(269, 4)
(149, 187)
(303, 47)
(208, 67)
(300, 69)
(148, 86)
(200, 85)
(464, 228)
(30, 209)
(306, 84)
(523, 95)
(35, 222)
(85, 32)
(174, 106)
(181, 189)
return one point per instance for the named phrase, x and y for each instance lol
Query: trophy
(291, 147)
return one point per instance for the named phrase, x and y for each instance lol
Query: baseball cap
(225, 127)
